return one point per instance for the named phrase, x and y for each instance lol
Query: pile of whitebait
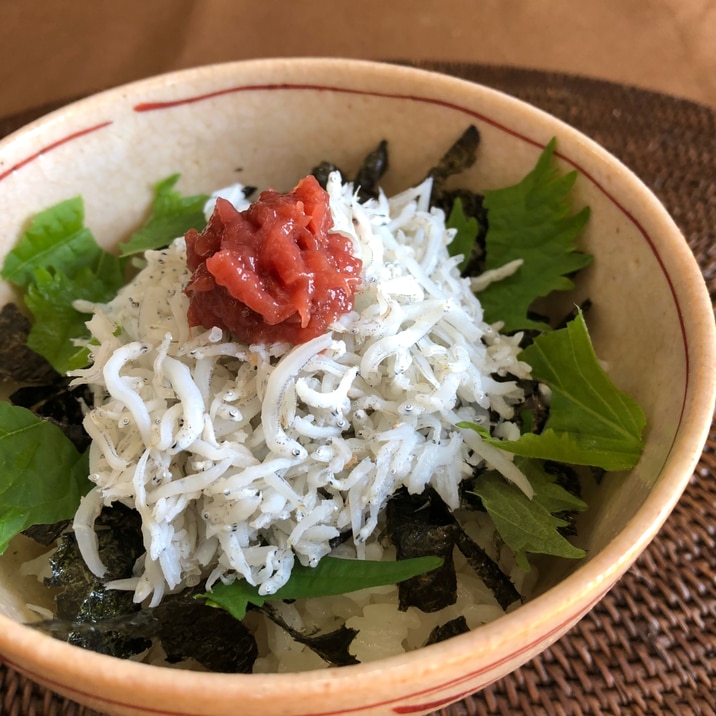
(241, 459)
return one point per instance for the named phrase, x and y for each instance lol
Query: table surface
(649, 647)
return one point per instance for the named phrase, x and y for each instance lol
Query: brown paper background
(57, 49)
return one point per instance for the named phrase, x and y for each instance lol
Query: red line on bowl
(50, 147)
(154, 106)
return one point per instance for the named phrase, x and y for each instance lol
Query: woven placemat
(649, 647)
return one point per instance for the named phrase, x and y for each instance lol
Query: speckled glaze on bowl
(267, 123)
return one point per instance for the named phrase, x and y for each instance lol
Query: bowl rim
(595, 577)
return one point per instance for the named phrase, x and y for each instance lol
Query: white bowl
(270, 121)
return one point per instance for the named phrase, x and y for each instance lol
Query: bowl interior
(269, 123)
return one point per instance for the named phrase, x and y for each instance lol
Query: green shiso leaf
(172, 215)
(331, 576)
(467, 230)
(57, 238)
(55, 321)
(42, 474)
(529, 525)
(591, 422)
(57, 261)
(532, 221)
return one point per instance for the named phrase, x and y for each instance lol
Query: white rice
(383, 629)
(242, 459)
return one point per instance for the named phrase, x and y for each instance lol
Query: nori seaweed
(331, 646)
(454, 627)
(109, 622)
(460, 156)
(61, 404)
(141, 624)
(82, 596)
(18, 362)
(342, 538)
(46, 534)
(189, 629)
(368, 176)
(186, 628)
(371, 171)
(488, 570)
(44, 391)
(322, 171)
(420, 525)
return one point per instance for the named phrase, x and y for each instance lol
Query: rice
(242, 458)
(382, 628)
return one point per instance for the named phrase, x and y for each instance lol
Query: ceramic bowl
(269, 122)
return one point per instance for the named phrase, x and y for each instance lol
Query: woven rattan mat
(650, 646)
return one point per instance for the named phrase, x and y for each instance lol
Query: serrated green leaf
(548, 493)
(56, 238)
(58, 261)
(466, 229)
(42, 475)
(529, 525)
(172, 215)
(532, 221)
(55, 321)
(331, 576)
(591, 422)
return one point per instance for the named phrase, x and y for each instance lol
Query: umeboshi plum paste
(274, 272)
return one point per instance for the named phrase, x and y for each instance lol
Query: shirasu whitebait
(241, 459)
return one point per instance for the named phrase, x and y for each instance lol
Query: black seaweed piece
(322, 172)
(118, 530)
(488, 570)
(459, 157)
(141, 624)
(108, 621)
(82, 596)
(189, 629)
(186, 628)
(340, 539)
(420, 525)
(371, 171)
(61, 404)
(454, 627)
(331, 646)
(18, 362)
(46, 534)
